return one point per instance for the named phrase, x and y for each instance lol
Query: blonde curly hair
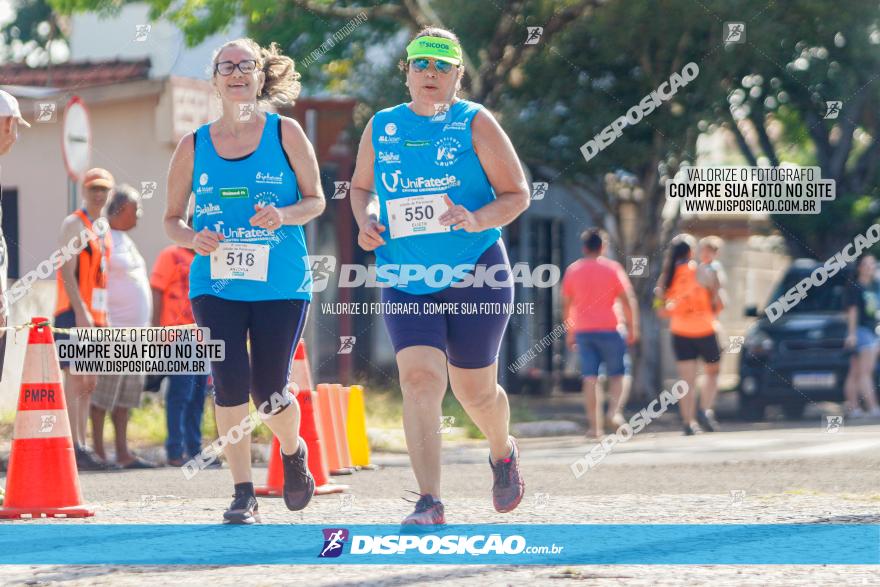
(282, 80)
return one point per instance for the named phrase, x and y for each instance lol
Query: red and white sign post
(76, 146)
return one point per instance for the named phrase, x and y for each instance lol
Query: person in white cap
(10, 117)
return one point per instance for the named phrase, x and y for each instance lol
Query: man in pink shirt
(590, 289)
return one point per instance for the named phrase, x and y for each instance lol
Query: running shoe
(242, 510)
(691, 429)
(138, 462)
(428, 512)
(299, 485)
(87, 460)
(707, 421)
(508, 487)
(615, 421)
(857, 413)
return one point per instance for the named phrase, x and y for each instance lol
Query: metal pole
(71, 196)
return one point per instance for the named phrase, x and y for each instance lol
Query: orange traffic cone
(341, 404)
(328, 410)
(300, 372)
(308, 405)
(275, 479)
(42, 479)
(317, 462)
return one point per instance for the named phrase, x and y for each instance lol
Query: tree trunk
(647, 357)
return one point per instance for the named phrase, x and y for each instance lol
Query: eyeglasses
(227, 67)
(422, 64)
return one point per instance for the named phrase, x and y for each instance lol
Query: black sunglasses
(227, 67)
(421, 64)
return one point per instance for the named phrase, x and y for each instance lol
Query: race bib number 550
(240, 261)
(416, 215)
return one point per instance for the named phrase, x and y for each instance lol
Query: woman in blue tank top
(255, 182)
(435, 181)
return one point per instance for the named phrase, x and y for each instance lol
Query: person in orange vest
(82, 302)
(692, 321)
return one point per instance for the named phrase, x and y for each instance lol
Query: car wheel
(794, 411)
(751, 410)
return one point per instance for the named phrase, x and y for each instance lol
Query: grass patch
(148, 426)
(384, 407)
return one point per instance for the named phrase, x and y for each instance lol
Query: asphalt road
(748, 474)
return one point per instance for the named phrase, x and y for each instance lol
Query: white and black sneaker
(242, 510)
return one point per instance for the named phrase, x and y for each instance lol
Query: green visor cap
(434, 48)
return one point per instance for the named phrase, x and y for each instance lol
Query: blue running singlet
(226, 191)
(418, 156)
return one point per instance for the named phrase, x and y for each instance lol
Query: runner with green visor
(436, 180)
(443, 52)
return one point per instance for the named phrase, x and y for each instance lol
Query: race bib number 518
(416, 215)
(240, 261)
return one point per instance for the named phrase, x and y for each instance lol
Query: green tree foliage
(799, 56)
(28, 37)
(594, 61)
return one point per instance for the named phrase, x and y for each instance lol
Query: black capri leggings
(274, 327)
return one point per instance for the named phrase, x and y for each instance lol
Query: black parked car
(801, 356)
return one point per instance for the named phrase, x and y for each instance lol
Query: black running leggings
(274, 327)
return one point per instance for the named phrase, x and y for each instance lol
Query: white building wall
(96, 37)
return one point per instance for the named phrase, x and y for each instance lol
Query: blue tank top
(422, 155)
(226, 191)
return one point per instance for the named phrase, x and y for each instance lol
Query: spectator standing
(862, 309)
(129, 304)
(82, 302)
(10, 118)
